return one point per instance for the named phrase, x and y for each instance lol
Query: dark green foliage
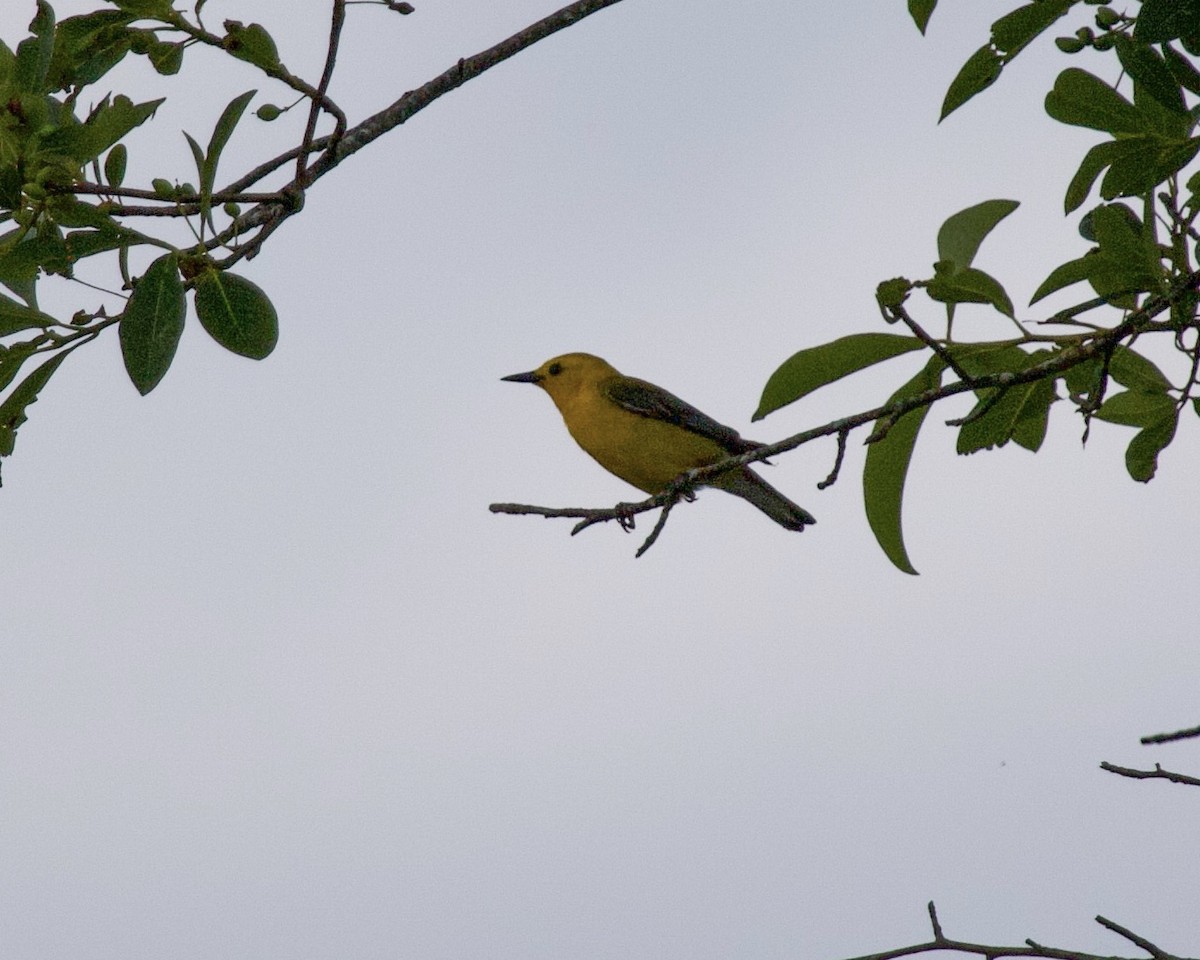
(152, 323)
(886, 469)
(236, 313)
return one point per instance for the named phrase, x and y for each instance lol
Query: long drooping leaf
(887, 468)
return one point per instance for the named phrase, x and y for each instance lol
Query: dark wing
(638, 396)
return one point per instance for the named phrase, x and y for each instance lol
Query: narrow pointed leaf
(12, 410)
(1094, 162)
(16, 316)
(887, 468)
(1064, 275)
(977, 74)
(1014, 31)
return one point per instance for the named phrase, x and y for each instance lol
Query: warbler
(647, 436)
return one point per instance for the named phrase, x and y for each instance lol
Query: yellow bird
(647, 436)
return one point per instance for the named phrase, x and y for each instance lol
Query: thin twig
(830, 480)
(1150, 948)
(899, 313)
(314, 112)
(937, 926)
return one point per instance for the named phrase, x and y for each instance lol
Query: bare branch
(1158, 773)
(830, 480)
(1133, 938)
(1032, 948)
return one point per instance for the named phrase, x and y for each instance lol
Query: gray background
(275, 684)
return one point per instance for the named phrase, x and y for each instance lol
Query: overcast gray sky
(275, 684)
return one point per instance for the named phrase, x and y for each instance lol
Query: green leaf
(109, 123)
(16, 316)
(1182, 70)
(961, 234)
(1141, 456)
(87, 243)
(114, 165)
(1130, 369)
(13, 357)
(34, 53)
(1148, 68)
(1094, 161)
(236, 313)
(251, 43)
(969, 286)
(810, 369)
(166, 58)
(1084, 100)
(1155, 413)
(1020, 414)
(223, 131)
(1136, 408)
(921, 11)
(887, 468)
(1014, 31)
(977, 74)
(1073, 271)
(145, 9)
(152, 323)
(86, 47)
(1162, 20)
(1128, 262)
(12, 410)
(1134, 168)
(206, 161)
(1083, 378)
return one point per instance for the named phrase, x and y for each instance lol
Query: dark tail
(750, 486)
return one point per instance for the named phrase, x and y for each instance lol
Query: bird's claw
(626, 515)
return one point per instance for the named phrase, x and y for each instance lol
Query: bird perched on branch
(647, 436)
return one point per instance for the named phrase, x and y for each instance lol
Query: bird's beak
(530, 377)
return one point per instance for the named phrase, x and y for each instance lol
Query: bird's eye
(554, 369)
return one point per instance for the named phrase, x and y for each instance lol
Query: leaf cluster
(1140, 266)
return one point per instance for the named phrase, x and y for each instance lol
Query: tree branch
(1168, 737)
(1158, 773)
(340, 146)
(1031, 948)
(1092, 345)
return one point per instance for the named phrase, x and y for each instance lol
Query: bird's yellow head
(567, 376)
